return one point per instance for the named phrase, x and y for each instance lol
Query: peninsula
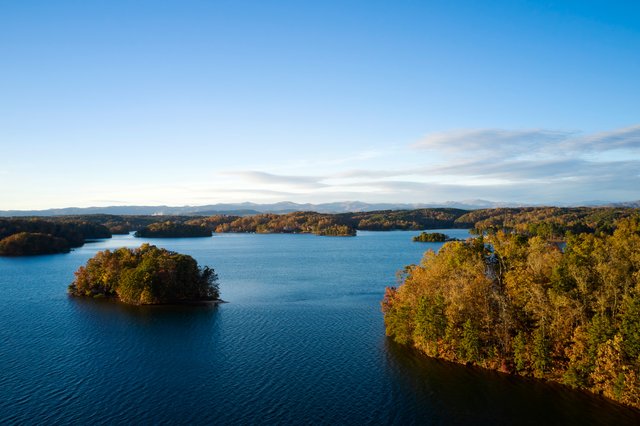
(33, 236)
(523, 304)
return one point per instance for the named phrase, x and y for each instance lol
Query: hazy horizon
(196, 103)
(248, 207)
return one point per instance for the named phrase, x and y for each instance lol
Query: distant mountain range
(244, 209)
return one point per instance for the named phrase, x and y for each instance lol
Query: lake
(300, 341)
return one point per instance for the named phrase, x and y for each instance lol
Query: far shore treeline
(23, 237)
(38, 235)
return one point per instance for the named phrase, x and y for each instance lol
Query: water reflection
(457, 394)
(106, 307)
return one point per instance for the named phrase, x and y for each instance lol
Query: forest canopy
(431, 237)
(548, 222)
(520, 304)
(290, 223)
(144, 276)
(171, 229)
(32, 243)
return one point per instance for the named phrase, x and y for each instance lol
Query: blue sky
(197, 102)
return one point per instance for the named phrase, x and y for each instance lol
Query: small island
(147, 275)
(170, 229)
(337, 231)
(432, 237)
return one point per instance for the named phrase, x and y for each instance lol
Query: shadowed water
(301, 341)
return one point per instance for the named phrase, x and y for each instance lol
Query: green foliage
(470, 344)
(337, 231)
(431, 323)
(520, 353)
(540, 354)
(523, 304)
(431, 237)
(147, 275)
(431, 317)
(600, 330)
(630, 328)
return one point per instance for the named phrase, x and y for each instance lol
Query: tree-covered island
(518, 303)
(147, 275)
(432, 237)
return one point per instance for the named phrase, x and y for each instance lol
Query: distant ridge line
(248, 208)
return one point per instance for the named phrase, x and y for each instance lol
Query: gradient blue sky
(197, 102)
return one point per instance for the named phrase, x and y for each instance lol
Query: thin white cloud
(532, 142)
(547, 169)
(484, 141)
(266, 178)
(363, 173)
(215, 191)
(512, 165)
(620, 139)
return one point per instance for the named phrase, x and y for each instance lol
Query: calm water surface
(301, 341)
